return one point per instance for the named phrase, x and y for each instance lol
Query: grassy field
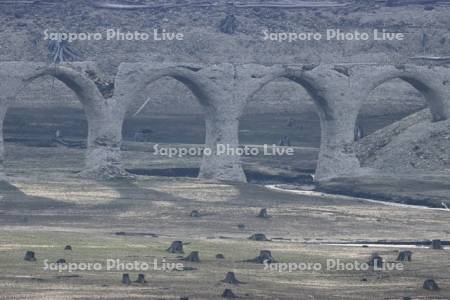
(46, 207)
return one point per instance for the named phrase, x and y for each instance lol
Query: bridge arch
(330, 94)
(424, 81)
(312, 86)
(95, 106)
(208, 95)
(194, 82)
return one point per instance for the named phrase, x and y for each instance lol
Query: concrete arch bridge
(224, 90)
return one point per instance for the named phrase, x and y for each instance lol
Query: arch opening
(400, 120)
(285, 111)
(388, 102)
(433, 98)
(45, 122)
(160, 122)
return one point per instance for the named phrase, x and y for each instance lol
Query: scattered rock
(193, 257)
(376, 261)
(176, 247)
(227, 293)
(136, 234)
(258, 237)
(231, 279)
(184, 298)
(364, 279)
(228, 25)
(61, 261)
(30, 256)
(404, 256)
(189, 269)
(68, 248)
(141, 279)
(264, 256)
(430, 285)
(241, 226)
(220, 256)
(436, 245)
(195, 214)
(126, 279)
(309, 67)
(343, 70)
(263, 213)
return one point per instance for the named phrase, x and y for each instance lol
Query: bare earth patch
(138, 220)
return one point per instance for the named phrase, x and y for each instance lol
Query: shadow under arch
(313, 88)
(200, 86)
(94, 104)
(196, 83)
(434, 97)
(84, 88)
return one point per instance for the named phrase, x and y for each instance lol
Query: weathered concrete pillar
(222, 133)
(214, 86)
(337, 104)
(226, 105)
(103, 155)
(337, 155)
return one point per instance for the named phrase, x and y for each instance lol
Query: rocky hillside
(414, 143)
(240, 39)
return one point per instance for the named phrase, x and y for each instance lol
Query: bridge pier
(103, 154)
(337, 156)
(222, 131)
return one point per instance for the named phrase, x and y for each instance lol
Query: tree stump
(404, 255)
(61, 261)
(195, 214)
(220, 256)
(141, 279)
(176, 247)
(376, 261)
(193, 257)
(126, 279)
(261, 237)
(68, 248)
(227, 293)
(231, 279)
(228, 25)
(436, 245)
(264, 256)
(430, 285)
(263, 214)
(30, 256)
